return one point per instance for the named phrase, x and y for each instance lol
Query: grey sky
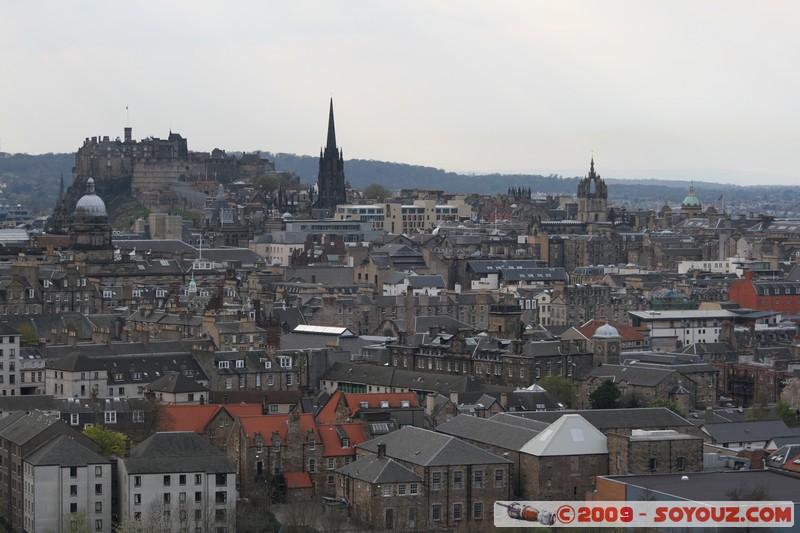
(690, 89)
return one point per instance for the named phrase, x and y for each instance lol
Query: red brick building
(783, 296)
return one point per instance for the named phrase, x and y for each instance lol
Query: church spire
(331, 145)
(331, 181)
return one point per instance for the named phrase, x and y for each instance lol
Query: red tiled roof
(269, 424)
(243, 409)
(186, 417)
(626, 332)
(332, 444)
(297, 480)
(326, 414)
(793, 464)
(374, 400)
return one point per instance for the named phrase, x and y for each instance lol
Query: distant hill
(32, 180)
(644, 193)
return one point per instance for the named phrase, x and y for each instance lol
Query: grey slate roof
(488, 431)
(488, 266)
(403, 379)
(635, 375)
(179, 451)
(747, 431)
(129, 348)
(65, 452)
(376, 469)
(429, 448)
(20, 427)
(519, 421)
(165, 246)
(605, 419)
(716, 486)
(175, 383)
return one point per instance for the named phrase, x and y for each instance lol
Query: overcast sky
(654, 89)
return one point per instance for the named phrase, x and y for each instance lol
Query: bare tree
(791, 393)
(300, 517)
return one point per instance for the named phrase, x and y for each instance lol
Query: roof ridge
(447, 441)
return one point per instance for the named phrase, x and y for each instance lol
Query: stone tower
(606, 345)
(505, 320)
(331, 172)
(90, 232)
(592, 198)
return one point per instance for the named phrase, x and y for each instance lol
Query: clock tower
(606, 345)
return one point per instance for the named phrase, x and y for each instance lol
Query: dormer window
(240, 363)
(286, 362)
(384, 404)
(363, 405)
(345, 442)
(267, 363)
(224, 364)
(405, 403)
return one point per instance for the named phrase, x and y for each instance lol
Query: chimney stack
(381, 450)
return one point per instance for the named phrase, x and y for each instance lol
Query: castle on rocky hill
(158, 173)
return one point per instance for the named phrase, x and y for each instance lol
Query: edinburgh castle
(160, 174)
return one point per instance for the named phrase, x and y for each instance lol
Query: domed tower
(691, 206)
(592, 198)
(605, 343)
(90, 230)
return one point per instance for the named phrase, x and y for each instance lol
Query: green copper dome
(691, 199)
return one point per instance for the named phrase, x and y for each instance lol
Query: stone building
(267, 447)
(654, 452)
(459, 482)
(381, 492)
(690, 386)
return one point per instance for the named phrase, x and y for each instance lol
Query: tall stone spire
(331, 180)
(331, 144)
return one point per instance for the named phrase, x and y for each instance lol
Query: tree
(376, 191)
(787, 414)
(791, 393)
(760, 408)
(109, 442)
(606, 396)
(267, 183)
(562, 388)
(663, 402)
(27, 334)
(631, 401)
(76, 522)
